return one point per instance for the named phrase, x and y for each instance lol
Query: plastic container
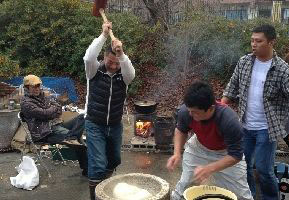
(208, 192)
(9, 123)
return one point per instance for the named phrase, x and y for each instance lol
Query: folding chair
(37, 146)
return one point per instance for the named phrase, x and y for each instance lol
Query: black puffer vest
(106, 97)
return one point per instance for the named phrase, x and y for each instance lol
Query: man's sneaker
(71, 142)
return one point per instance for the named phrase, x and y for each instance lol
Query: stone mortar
(158, 187)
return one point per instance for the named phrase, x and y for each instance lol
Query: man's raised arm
(127, 70)
(90, 59)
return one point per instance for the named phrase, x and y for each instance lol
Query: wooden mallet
(98, 10)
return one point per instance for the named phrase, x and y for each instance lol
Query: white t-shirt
(255, 118)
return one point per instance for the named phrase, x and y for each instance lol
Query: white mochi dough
(124, 191)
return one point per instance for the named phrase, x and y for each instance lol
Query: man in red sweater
(214, 154)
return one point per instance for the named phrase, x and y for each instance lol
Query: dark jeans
(259, 150)
(72, 129)
(103, 148)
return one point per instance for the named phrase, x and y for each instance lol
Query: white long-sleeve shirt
(92, 64)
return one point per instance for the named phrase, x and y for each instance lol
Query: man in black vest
(107, 84)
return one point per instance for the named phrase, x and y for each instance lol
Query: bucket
(208, 192)
(9, 124)
(164, 130)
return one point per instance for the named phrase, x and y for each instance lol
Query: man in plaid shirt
(261, 83)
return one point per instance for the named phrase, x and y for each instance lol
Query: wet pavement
(67, 183)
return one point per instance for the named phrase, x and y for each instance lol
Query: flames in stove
(144, 128)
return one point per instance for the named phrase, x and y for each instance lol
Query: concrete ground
(67, 183)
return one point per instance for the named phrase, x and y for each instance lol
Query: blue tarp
(60, 85)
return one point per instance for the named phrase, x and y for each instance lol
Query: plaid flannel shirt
(275, 95)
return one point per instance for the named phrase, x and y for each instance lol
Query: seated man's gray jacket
(38, 113)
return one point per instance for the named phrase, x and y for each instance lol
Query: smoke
(178, 45)
(198, 50)
(218, 56)
(202, 46)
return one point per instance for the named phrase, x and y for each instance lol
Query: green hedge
(48, 36)
(8, 67)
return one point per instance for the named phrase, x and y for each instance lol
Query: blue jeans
(259, 150)
(103, 149)
(69, 130)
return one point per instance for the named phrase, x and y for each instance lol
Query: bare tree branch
(158, 10)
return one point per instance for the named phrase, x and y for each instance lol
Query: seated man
(42, 115)
(214, 154)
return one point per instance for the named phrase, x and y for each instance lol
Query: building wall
(243, 10)
(231, 9)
